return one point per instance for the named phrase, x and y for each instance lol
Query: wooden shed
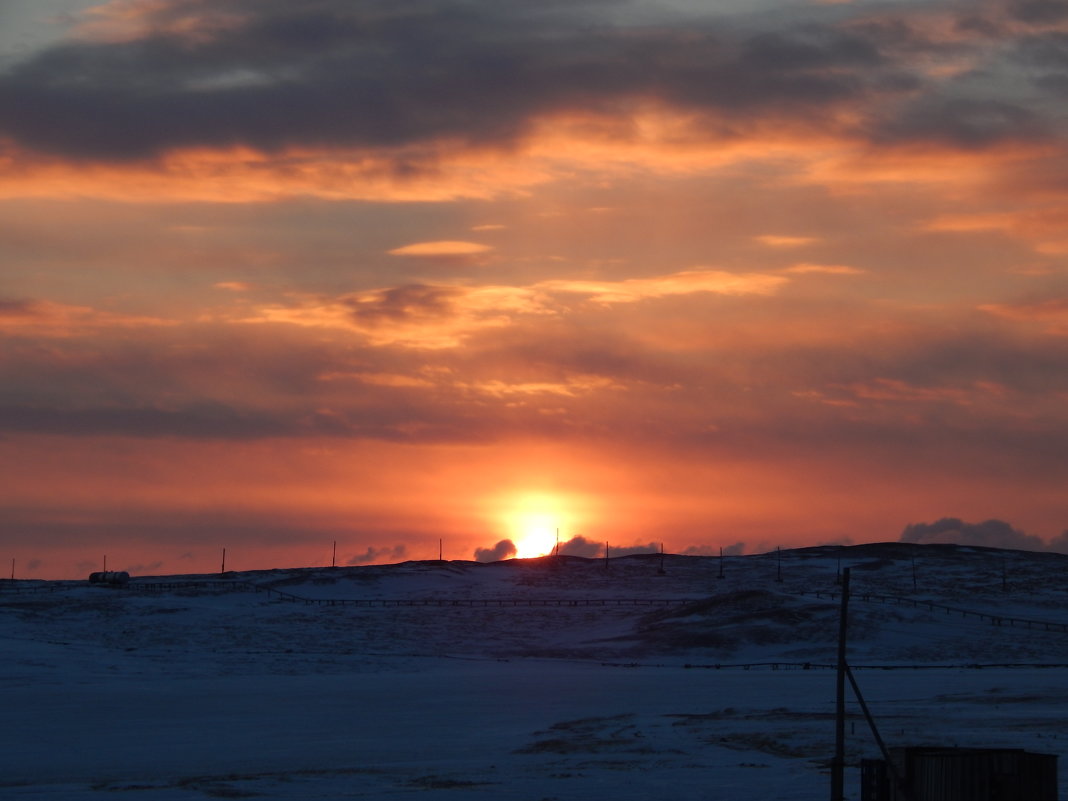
(961, 774)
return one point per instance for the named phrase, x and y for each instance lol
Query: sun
(535, 523)
(535, 534)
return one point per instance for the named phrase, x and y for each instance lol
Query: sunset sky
(737, 274)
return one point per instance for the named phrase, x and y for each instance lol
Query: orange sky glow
(498, 275)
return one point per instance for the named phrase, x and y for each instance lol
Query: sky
(474, 276)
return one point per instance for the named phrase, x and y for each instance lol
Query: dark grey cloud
(141, 568)
(629, 550)
(408, 302)
(397, 553)
(1059, 544)
(567, 346)
(382, 421)
(988, 534)
(590, 549)
(210, 421)
(505, 549)
(196, 384)
(979, 24)
(580, 546)
(735, 549)
(931, 360)
(12, 307)
(960, 121)
(1038, 12)
(203, 532)
(392, 75)
(962, 389)
(1045, 56)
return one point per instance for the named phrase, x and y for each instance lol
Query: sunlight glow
(533, 524)
(535, 536)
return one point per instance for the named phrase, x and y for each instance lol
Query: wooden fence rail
(827, 666)
(283, 595)
(931, 606)
(18, 588)
(477, 602)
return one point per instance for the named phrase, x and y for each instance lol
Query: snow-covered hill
(681, 677)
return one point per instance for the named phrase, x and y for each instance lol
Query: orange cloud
(120, 21)
(446, 172)
(980, 221)
(1043, 229)
(827, 269)
(417, 316)
(436, 316)
(48, 319)
(683, 283)
(445, 250)
(573, 387)
(888, 389)
(244, 175)
(881, 395)
(1053, 313)
(378, 379)
(647, 138)
(775, 241)
(859, 167)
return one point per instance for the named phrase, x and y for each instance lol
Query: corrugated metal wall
(963, 774)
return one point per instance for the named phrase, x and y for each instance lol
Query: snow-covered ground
(220, 691)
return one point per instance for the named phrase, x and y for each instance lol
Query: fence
(283, 595)
(828, 666)
(18, 587)
(915, 603)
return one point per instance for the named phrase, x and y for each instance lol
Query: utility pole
(606, 554)
(223, 569)
(440, 549)
(333, 555)
(838, 765)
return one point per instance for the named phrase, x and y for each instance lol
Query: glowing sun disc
(535, 535)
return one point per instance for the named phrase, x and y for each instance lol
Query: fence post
(838, 765)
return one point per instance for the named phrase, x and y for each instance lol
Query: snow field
(209, 693)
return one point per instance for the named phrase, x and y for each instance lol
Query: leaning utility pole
(838, 765)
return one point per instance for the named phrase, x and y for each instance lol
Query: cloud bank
(504, 549)
(988, 534)
(369, 268)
